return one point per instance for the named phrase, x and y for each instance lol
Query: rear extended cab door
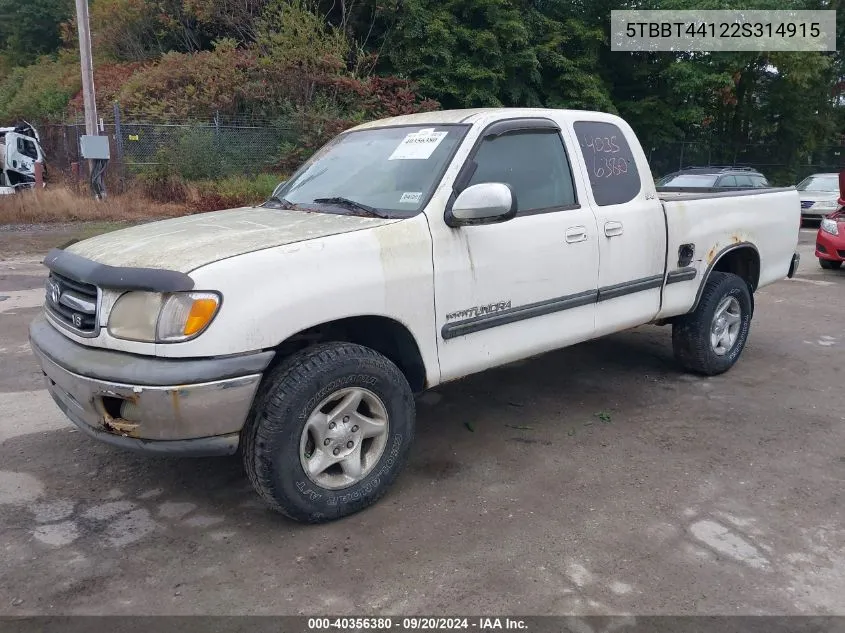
(631, 222)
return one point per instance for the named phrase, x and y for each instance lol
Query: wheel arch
(741, 259)
(385, 335)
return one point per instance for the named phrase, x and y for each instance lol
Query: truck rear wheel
(710, 340)
(330, 430)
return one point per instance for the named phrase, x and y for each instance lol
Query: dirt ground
(597, 480)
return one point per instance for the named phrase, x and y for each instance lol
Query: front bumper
(816, 213)
(830, 247)
(154, 405)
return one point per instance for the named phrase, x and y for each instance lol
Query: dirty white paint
(189, 242)
(20, 299)
(175, 510)
(19, 488)
(57, 534)
(724, 541)
(50, 511)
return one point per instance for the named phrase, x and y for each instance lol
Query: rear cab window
(610, 162)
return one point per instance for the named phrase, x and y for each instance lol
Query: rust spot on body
(119, 426)
(712, 253)
(177, 411)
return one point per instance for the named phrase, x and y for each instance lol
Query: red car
(830, 241)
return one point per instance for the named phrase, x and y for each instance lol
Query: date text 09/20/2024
(416, 624)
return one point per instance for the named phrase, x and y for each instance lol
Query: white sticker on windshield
(418, 145)
(411, 197)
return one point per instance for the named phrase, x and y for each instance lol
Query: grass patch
(230, 192)
(63, 204)
(150, 199)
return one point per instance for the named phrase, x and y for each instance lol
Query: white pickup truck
(406, 253)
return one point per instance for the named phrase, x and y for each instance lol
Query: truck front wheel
(329, 432)
(710, 339)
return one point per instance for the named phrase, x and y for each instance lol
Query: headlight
(829, 226)
(162, 318)
(827, 204)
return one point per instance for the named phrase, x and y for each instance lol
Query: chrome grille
(73, 304)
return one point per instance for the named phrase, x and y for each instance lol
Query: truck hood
(186, 243)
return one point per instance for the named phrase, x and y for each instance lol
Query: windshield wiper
(351, 204)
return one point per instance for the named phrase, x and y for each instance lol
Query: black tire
(691, 332)
(829, 265)
(288, 395)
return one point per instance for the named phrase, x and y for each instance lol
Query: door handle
(576, 234)
(612, 229)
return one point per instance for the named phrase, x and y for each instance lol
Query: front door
(512, 290)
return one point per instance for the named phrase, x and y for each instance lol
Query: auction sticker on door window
(418, 145)
(412, 197)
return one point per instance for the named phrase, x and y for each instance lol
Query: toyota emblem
(55, 292)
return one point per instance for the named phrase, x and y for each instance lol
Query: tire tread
(268, 414)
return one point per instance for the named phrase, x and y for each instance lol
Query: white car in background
(819, 195)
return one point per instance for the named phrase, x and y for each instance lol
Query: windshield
(392, 170)
(825, 183)
(689, 180)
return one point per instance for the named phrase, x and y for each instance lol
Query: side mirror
(484, 203)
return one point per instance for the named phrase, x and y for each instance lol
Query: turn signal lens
(186, 314)
(202, 311)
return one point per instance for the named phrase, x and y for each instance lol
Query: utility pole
(91, 148)
(87, 69)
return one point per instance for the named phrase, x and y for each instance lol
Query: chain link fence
(195, 150)
(210, 150)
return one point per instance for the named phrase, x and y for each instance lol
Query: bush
(40, 91)
(185, 86)
(234, 191)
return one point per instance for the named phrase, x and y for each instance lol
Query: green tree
(32, 28)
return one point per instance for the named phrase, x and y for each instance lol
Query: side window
(27, 148)
(610, 162)
(727, 181)
(743, 181)
(759, 181)
(534, 164)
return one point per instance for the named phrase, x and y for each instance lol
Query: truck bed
(766, 220)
